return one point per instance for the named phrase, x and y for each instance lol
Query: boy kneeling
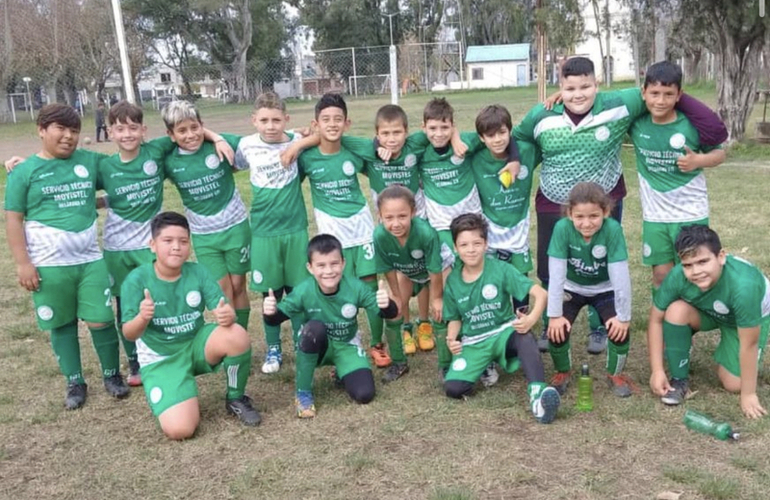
(163, 305)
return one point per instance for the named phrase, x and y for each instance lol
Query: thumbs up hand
(689, 161)
(147, 307)
(224, 313)
(269, 304)
(383, 299)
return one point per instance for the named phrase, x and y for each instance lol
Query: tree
(488, 22)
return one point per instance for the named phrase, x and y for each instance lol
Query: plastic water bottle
(701, 423)
(585, 398)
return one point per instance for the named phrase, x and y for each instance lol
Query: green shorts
(170, 381)
(119, 264)
(658, 241)
(521, 261)
(359, 260)
(445, 237)
(346, 357)
(471, 362)
(728, 350)
(226, 252)
(278, 261)
(67, 293)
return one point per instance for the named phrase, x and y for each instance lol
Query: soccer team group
(453, 232)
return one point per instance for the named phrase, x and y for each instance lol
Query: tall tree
(488, 22)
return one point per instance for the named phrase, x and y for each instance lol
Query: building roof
(489, 53)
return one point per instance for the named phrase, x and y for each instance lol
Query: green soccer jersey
(739, 299)
(179, 307)
(587, 260)
(207, 187)
(399, 170)
(277, 204)
(57, 198)
(338, 311)
(447, 179)
(338, 204)
(587, 152)
(135, 194)
(668, 194)
(423, 253)
(484, 305)
(506, 210)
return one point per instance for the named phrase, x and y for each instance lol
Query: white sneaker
(273, 360)
(489, 376)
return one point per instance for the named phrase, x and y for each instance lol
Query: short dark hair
(124, 111)
(331, 100)
(269, 100)
(694, 236)
(589, 192)
(166, 219)
(492, 118)
(438, 109)
(64, 115)
(396, 192)
(664, 73)
(577, 66)
(323, 244)
(469, 222)
(391, 113)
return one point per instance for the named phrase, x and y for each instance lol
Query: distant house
(621, 50)
(495, 66)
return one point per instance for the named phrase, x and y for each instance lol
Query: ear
(347, 124)
(722, 257)
(171, 135)
(286, 117)
(309, 269)
(152, 246)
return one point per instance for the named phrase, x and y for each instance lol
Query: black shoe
(597, 341)
(116, 387)
(244, 410)
(680, 390)
(395, 372)
(76, 396)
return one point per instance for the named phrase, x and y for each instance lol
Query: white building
(495, 66)
(621, 48)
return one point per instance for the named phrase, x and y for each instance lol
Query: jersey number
(107, 294)
(245, 254)
(368, 251)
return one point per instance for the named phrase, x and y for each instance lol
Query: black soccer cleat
(243, 408)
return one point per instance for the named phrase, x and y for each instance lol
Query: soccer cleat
(489, 376)
(622, 386)
(680, 390)
(395, 372)
(305, 404)
(76, 396)
(560, 381)
(542, 341)
(546, 405)
(597, 341)
(273, 360)
(380, 356)
(116, 387)
(425, 336)
(409, 346)
(243, 408)
(134, 377)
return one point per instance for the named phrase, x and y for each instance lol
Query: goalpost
(368, 84)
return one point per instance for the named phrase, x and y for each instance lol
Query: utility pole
(541, 49)
(393, 63)
(120, 35)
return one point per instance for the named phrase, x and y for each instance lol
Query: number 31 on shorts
(368, 251)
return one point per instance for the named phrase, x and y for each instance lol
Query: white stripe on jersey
(145, 355)
(263, 160)
(49, 246)
(683, 204)
(234, 213)
(351, 231)
(475, 339)
(766, 299)
(514, 239)
(588, 290)
(590, 120)
(121, 234)
(441, 216)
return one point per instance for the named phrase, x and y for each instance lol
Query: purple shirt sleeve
(710, 127)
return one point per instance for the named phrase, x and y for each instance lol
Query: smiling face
(59, 141)
(703, 268)
(587, 218)
(439, 132)
(471, 247)
(187, 134)
(331, 123)
(270, 124)
(327, 270)
(497, 142)
(578, 93)
(661, 100)
(128, 136)
(396, 215)
(171, 247)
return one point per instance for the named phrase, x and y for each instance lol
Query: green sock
(66, 347)
(375, 321)
(407, 327)
(678, 343)
(107, 349)
(242, 317)
(272, 335)
(237, 369)
(594, 320)
(561, 356)
(534, 389)
(306, 363)
(296, 326)
(129, 346)
(616, 356)
(444, 355)
(395, 340)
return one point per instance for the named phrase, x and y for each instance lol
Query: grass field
(411, 441)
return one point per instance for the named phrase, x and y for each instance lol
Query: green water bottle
(585, 398)
(701, 423)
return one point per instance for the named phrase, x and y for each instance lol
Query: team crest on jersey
(212, 161)
(156, 394)
(459, 364)
(410, 160)
(417, 253)
(193, 298)
(349, 311)
(677, 141)
(489, 292)
(456, 160)
(646, 250)
(523, 172)
(602, 133)
(257, 277)
(348, 168)
(720, 307)
(599, 251)
(81, 171)
(150, 167)
(45, 313)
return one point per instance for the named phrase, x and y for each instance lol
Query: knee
(680, 313)
(239, 287)
(180, 430)
(238, 339)
(359, 385)
(363, 394)
(312, 337)
(457, 389)
(730, 382)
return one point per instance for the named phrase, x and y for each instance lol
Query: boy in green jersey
(709, 290)
(163, 306)
(218, 219)
(482, 325)
(278, 215)
(328, 302)
(51, 230)
(670, 160)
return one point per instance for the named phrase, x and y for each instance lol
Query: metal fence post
(355, 76)
(393, 76)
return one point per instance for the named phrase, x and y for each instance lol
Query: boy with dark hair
(51, 229)
(670, 159)
(709, 290)
(329, 302)
(482, 325)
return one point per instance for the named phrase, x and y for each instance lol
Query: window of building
(477, 74)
